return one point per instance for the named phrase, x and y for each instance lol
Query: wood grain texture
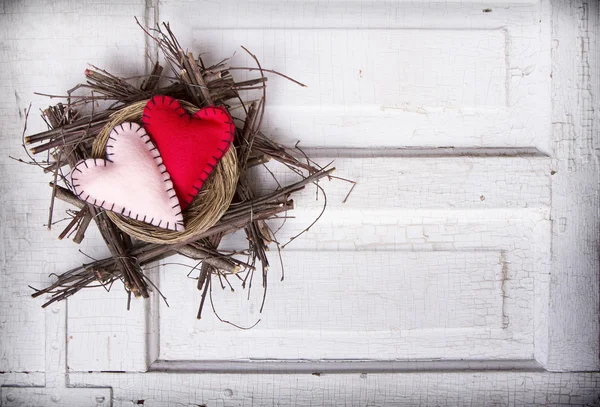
(45, 47)
(574, 328)
(426, 389)
(479, 243)
(376, 70)
(355, 284)
(362, 306)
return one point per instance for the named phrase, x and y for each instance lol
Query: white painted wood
(54, 388)
(45, 48)
(502, 227)
(475, 252)
(409, 306)
(376, 70)
(383, 91)
(390, 181)
(389, 278)
(428, 389)
(101, 337)
(574, 328)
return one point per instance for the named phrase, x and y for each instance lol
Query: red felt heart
(190, 145)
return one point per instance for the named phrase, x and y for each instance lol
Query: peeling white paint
(483, 250)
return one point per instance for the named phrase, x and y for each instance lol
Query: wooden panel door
(461, 269)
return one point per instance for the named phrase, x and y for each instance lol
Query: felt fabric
(132, 181)
(190, 145)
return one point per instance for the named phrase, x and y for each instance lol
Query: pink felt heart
(132, 181)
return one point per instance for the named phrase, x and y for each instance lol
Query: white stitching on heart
(178, 226)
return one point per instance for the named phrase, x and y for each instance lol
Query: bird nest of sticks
(78, 129)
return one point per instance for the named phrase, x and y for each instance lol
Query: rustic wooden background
(462, 270)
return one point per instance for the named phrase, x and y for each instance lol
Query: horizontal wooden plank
(382, 91)
(353, 69)
(33, 379)
(326, 293)
(28, 396)
(432, 388)
(350, 14)
(400, 182)
(388, 77)
(401, 291)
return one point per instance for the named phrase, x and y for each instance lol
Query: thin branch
(231, 68)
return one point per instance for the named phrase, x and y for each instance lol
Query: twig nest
(207, 207)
